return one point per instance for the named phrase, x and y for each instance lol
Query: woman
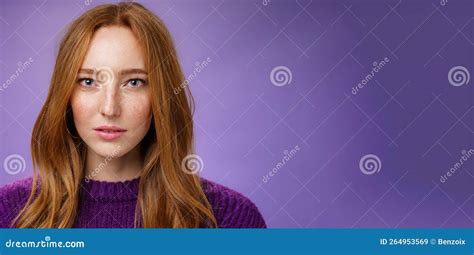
(110, 143)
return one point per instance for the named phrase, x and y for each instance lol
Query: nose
(111, 102)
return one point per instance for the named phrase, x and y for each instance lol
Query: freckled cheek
(138, 112)
(83, 109)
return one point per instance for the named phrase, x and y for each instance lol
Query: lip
(109, 132)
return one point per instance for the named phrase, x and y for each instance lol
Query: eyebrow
(122, 72)
(133, 71)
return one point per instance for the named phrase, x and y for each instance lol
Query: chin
(111, 150)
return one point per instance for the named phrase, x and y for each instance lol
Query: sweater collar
(110, 191)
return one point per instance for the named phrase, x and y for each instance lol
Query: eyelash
(143, 82)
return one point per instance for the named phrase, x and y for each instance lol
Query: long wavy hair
(168, 197)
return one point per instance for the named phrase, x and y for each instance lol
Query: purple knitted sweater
(112, 204)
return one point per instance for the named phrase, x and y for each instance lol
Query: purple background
(409, 115)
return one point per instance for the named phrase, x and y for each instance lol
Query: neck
(113, 169)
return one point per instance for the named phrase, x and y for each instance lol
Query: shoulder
(12, 198)
(231, 208)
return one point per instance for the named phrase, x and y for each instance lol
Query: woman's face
(111, 102)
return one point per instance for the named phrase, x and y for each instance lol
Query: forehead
(115, 47)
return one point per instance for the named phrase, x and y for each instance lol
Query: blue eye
(86, 82)
(134, 83)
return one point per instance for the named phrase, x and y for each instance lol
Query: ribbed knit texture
(112, 204)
